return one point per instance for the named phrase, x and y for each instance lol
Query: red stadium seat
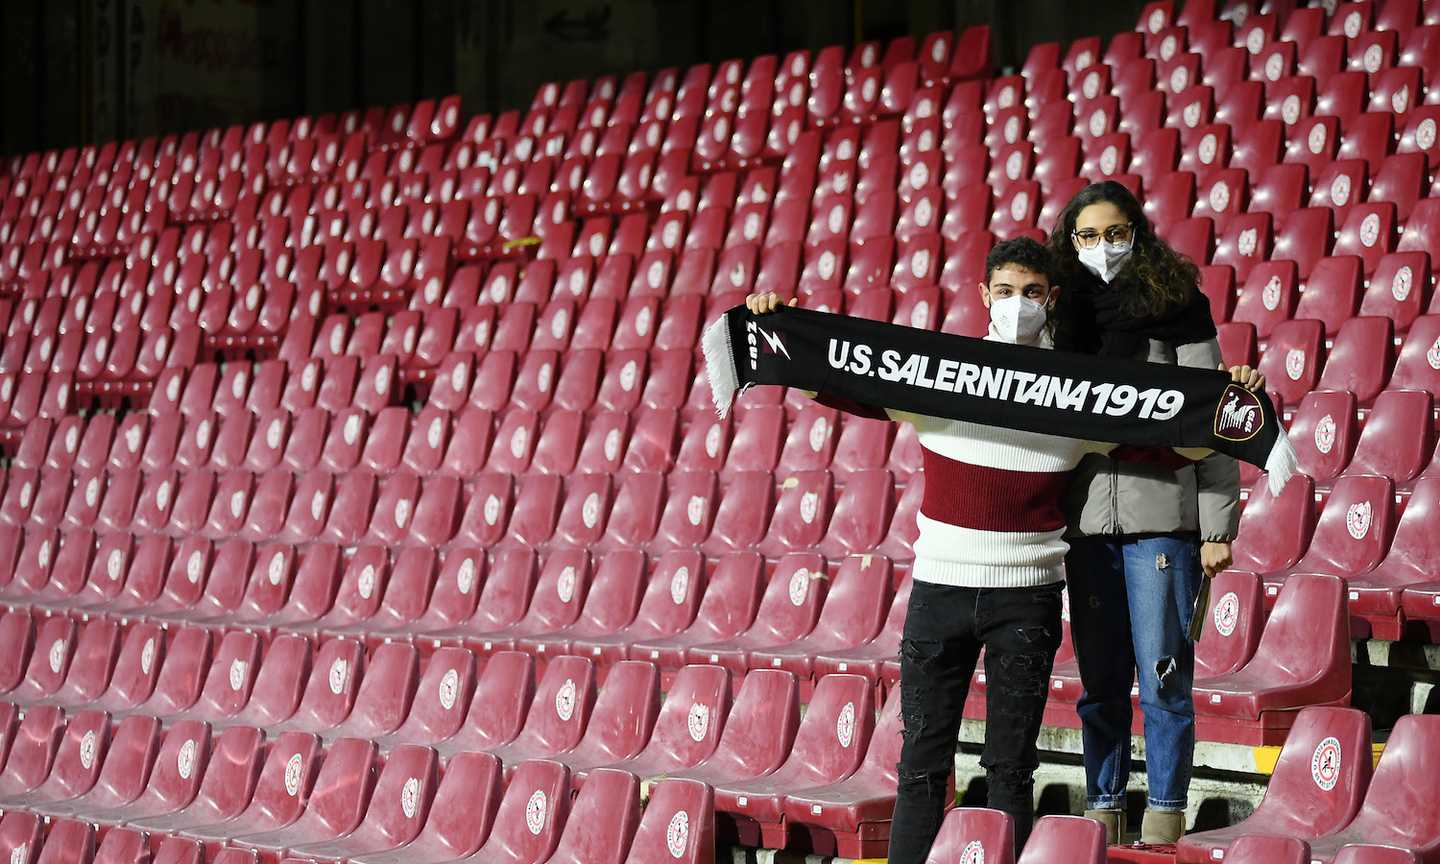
(1384, 817)
(229, 779)
(849, 618)
(1418, 366)
(335, 805)
(20, 835)
(460, 816)
(121, 780)
(72, 770)
(1316, 789)
(1361, 358)
(174, 778)
(441, 701)
(828, 748)
(398, 806)
(556, 721)
(1077, 839)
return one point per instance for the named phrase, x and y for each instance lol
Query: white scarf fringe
(720, 365)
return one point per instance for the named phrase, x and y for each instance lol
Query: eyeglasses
(1089, 238)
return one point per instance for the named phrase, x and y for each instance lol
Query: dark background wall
(77, 71)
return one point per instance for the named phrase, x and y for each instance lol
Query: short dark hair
(1021, 252)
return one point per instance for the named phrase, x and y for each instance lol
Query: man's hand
(1214, 557)
(763, 304)
(1250, 379)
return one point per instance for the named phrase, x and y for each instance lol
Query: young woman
(1142, 536)
(987, 574)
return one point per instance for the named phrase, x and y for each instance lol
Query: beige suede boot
(1162, 826)
(1114, 822)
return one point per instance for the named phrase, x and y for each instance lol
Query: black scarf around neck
(1098, 320)
(1093, 398)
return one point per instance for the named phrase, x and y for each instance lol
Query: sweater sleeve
(1217, 476)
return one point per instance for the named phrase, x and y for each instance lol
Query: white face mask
(1017, 319)
(1105, 259)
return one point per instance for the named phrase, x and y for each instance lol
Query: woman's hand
(1214, 557)
(1251, 379)
(763, 304)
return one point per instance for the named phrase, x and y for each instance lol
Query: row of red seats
(769, 767)
(234, 798)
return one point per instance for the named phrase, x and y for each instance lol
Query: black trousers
(945, 628)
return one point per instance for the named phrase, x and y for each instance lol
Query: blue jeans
(1131, 599)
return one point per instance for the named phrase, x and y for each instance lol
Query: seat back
(463, 811)
(388, 686)
(20, 837)
(401, 800)
(1353, 532)
(443, 695)
(625, 709)
(1289, 650)
(527, 825)
(693, 715)
(1236, 618)
(1065, 838)
(678, 825)
(285, 781)
(180, 764)
(128, 762)
(33, 748)
(1323, 769)
(231, 675)
(337, 800)
(793, 599)
(1275, 530)
(835, 730)
(502, 698)
(974, 833)
(124, 846)
(1264, 849)
(1323, 433)
(1360, 853)
(81, 754)
(187, 657)
(562, 705)
(507, 592)
(763, 722)
(334, 681)
(1399, 436)
(602, 820)
(231, 772)
(1406, 774)
(68, 842)
(277, 687)
(731, 597)
(614, 595)
(561, 590)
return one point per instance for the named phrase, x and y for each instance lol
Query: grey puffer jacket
(1109, 496)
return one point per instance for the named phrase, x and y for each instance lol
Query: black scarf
(1011, 386)
(1095, 319)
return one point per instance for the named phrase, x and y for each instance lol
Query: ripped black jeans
(945, 628)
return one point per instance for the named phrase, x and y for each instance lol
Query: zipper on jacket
(1114, 496)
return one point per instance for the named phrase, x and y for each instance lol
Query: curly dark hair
(1022, 252)
(1158, 279)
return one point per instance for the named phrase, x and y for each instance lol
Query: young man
(988, 573)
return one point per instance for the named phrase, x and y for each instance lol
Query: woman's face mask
(1105, 259)
(1017, 319)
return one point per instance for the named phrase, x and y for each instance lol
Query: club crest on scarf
(1238, 417)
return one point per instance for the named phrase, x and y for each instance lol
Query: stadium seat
(788, 611)
(557, 716)
(1365, 853)
(1353, 532)
(397, 809)
(1323, 432)
(1361, 359)
(849, 617)
(230, 774)
(383, 697)
(174, 778)
(442, 698)
(1418, 366)
(122, 778)
(1236, 612)
(70, 772)
(829, 747)
(1073, 837)
(1292, 360)
(335, 806)
(68, 841)
(1262, 847)
(602, 820)
(1288, 671)
(498, 708)
(460, 816)
(124, 846)
(1398, 438)
(1315, 790)
(1384, 816)
(20, 837)
(989, 832)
